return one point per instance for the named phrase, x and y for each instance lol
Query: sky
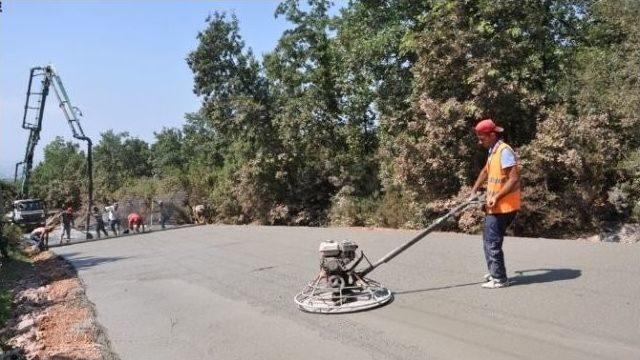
(121, 62)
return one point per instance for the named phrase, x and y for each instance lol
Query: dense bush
(12, 233)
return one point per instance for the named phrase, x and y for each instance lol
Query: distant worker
(112, 216)
(199, 214)
(163, 214)
(99, 222)
(502, 178)
(40, 236)
(67, 223)
(135, 222)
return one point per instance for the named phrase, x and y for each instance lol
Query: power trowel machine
(340, 287)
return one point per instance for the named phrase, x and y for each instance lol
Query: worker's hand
(492, 201)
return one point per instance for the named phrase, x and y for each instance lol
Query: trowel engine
(338, 261)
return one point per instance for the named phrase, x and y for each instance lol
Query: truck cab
(28, 213)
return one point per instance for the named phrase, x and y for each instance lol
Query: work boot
(495, 284)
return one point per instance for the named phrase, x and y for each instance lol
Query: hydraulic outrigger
(36, 99)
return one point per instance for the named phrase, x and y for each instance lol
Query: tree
(591, 141)
(302, 72)
(606, 79)
(375, 79)
(60, 179)
(478, 59)
(227, 78)
(8, 193)
(233, 131)
(118, 157)
(167, 152)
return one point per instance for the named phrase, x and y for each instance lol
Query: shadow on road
(534, 276)
(84, 262)
(435, 288)
(82, 240)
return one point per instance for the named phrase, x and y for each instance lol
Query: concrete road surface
(226, 292)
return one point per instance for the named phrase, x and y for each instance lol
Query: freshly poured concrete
(226, 292)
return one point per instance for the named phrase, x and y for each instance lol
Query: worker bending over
(40, 236)
(135, 222)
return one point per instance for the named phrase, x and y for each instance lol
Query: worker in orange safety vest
(501, 175)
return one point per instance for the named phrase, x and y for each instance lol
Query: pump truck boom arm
(35, 105)
(72, 114)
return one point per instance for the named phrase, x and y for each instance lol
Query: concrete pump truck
(26, 211)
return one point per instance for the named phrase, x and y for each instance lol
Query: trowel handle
(477, 199)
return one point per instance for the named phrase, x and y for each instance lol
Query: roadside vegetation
(11, 272)
(365, 117)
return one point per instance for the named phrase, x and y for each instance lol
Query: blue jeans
(495, 226)
(39, 240)
(66, 228)
(114, 224)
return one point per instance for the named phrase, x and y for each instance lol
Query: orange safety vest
(497, 178)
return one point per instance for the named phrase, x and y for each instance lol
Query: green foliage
(375, 81)
(141, 189)
(591, 144)
(375, 67)
(118, 157)
(606, 79)
(13, 271)
(7, 195)
(167, 155)
(349, 210)
(582, 151)
(228, 79)
(365, 117)
(12, 233)
(232, 134)
(400, 208)
(302, 69)
(60, 179)
(625, 194)
(476, 59)
(5, 306)
(395, 208)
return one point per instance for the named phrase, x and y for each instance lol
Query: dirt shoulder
(51, 317)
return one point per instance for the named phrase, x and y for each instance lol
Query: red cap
(70, 210)
(487, 126)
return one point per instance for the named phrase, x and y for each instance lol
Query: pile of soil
(52, 317)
